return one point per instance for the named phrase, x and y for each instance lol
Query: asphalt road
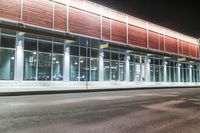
(138, 111)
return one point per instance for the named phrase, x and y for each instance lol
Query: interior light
(54, 58)
(12, 58)
(34, 53)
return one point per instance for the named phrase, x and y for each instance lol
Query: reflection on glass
(132, 72)
(114, 70)
(57, 67)
(94, 69)
(83, 69)
(30, 63)
(7, 60)
(106, 70)
(122, 71)
(44, 67)
(74, 65)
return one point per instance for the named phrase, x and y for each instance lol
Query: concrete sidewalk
(13, 88)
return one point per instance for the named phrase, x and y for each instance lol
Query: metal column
(66, 68)
(179, 73)
(101, 65)
(165, 71)
(19, 56)
(127, 67)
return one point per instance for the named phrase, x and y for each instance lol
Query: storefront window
(74, 68)
(57, 67)
(7, 60)
(30, 65)
(44, 67)
(94, 70)
(106, 70)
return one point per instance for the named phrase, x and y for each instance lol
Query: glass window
(94, 70)
(94, 43)
(74, 50)
(74, 68)
(83, 51)
(122, 57)
(84, 41)
(114, 56)
(106, 70)
(44, 67)
(45, 46)
(57, 67)
(114, 70)
(132, 72)
(30, 44)
(94, 53)
(6, 31)
(106, 55)
(122, 71)
(58, 48)
(30, 64)
(8, 41)
(83, 69)
(7, 60)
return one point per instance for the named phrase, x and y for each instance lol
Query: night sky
(182, 16)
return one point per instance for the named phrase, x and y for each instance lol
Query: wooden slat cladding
(180, 47)
(153, 40)
(10, 9)
(106, 28)
(186, 48)
(137, 36)
(118, 31)
(60, 17)
(38, 12)
(84, 23)
(171, 45)
(193, 50)
(162, 42)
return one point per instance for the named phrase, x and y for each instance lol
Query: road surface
(137, 111)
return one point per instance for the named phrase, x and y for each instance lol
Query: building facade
(77, 40)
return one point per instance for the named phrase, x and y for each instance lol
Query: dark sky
(182, 16)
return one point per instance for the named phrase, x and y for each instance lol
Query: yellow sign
(181, 59)
(104, 45)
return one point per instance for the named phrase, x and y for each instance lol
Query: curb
(26, 93)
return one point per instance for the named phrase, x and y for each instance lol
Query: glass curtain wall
(7, 54)
(114, 65)
(43, 58)
(84, 59)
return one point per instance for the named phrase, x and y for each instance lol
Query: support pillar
(165, 71)
(19, 57)
(101, 65)
(66, 65)
(179, 72)
(127, 79)
(190, 73)
(148, 70)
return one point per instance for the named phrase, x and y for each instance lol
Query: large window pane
(30, 44)
(122, 71)
(58, 48)
(94, 70)
(132, 72)
(30, 63)
(7, 60)
(45, 46)
(106, 70)
(115, 70)
(74, 65)
(83, 69)
(44, 67)
(7, 41)
(57, 67)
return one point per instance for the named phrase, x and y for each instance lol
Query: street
(135, 111)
